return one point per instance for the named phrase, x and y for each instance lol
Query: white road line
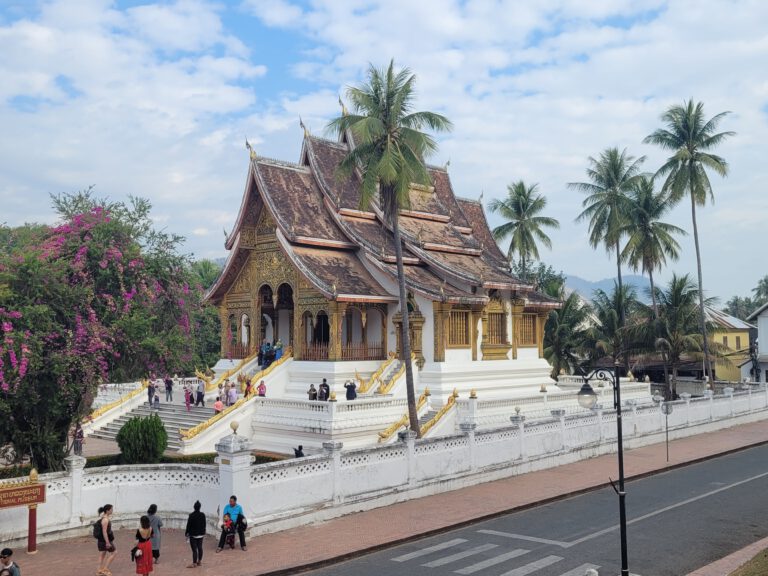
(581, 570)
(459, 555)
(533, 566)
(528, 538)
(492, 561)
(429, 550)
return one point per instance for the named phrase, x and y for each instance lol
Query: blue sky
(156, 98)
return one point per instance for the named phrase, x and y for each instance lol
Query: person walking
(187, 397)
(9, 567)
(155, 523)
(143, 554)
(200, 394)
(195, 533)
(78, 437)
(218, 406)
(168, 389)
(150, 392)
(235, 512)
(248, 388)
(261, 390)
(105, 539)
(232, 395)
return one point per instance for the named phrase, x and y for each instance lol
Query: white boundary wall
(293, 492)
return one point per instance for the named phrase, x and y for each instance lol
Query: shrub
(142, 440)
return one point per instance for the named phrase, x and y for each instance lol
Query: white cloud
(200, 232)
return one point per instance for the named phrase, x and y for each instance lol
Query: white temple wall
(373, 327)
(428, 331)
(283, 325)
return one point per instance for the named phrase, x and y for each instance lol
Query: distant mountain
(585, 288)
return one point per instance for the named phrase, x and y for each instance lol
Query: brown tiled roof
(325, 156)
(446, 197)
(475, 215)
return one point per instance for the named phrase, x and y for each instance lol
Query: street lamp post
(588, 398)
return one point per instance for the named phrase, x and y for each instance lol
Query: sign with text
(21, 495)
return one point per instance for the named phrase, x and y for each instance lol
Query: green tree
(543, 277)
(649, 240)
(389, 151)
(611, 178)
(205, 273)
(691, 137)
(608, 336)
(565, 334)
(761, 291)
(522, 211)
(740, 307)
(142, 440)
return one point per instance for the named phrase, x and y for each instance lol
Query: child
(187, 397)
(218, 406)
(156, 402)
(228, 530)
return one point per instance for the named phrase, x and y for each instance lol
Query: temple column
(541, 319)
(442, 312)
(335, 318)
(518, 304)
(476, 315)
(224, 323)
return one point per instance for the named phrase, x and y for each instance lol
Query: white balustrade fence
(335, 482)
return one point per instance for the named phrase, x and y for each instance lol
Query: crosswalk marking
(533, 566)
(429, 550)
(492, 561)
(581, 570)
(528, 538)
(460, 555)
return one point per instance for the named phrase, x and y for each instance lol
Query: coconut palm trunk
(702, 320)
(413, 415)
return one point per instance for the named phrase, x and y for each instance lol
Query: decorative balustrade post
(711, 395)
(632, 403)
(409, 437)
(729, 392)
(559, 413)
(749, 398)
(472, 417)
(599, 411)
(468, 429)
(235, 470)
(687, 397)
(519, 421)
(75, 465)
(333, 451)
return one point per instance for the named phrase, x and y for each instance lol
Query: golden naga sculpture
(442, 412)
(390, 430)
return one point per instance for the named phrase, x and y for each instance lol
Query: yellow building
(733, 335)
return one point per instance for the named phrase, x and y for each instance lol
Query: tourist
(269, 355)
(155, 523)
(143, 555)
(248, 388)
(105, 539)
(200, 394)
(262, 352)
(312, 392)
(168, 389)
(150, 392)
(187, 397)
(218, 406)
(351, 389)
(262, 389)
(235, 512)
(232, 395)
(8, 565)
(78, 438)
(156, 400)
(195, 532)
(299, 452)
(278, 349)
(325, 391)
(221, 390)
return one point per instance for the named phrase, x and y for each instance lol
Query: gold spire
(303, 127)
(251, 151)
(344, 111)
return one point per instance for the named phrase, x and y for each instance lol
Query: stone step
(427, 417)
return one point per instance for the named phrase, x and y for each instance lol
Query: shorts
(102, 545)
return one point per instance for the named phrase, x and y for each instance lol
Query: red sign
(21, 495)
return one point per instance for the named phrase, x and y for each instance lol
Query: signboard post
(29, 493)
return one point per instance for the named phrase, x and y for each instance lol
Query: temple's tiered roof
(449, 251)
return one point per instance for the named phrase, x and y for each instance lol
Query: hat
(6, 553)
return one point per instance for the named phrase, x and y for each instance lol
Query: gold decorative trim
(107, 407)
(442, 412)
(382, 389)
(365, 386)
(390, 430)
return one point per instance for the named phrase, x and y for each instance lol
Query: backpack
(97, 532)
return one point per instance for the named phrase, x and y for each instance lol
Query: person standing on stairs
(200, 394)
(168, 389)
(150, 392)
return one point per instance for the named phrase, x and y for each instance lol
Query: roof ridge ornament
(303, 127)
(251, 151)
(344, 111)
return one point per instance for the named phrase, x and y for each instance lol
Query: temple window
(459, 329)
(497, 328)
(528, 330)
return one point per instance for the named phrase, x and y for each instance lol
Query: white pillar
(559, 413)
(599, 411)
(519, 420)
(468, 428)
(687, 397)
(235, 470)
(74, 465)
(711, 395)
(332, 450)
(409, 437)
(729, 392)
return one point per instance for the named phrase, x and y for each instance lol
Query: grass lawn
(758, 566)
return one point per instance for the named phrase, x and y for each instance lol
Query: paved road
(677, 521)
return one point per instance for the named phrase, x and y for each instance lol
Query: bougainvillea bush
(102, 296)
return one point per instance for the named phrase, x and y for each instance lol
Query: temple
(310, 267)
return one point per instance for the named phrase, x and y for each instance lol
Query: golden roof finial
(447, 163)
(344, 111)
(251, 151)
(480, 199)
(303, 127)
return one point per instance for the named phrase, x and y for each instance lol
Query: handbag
(135, 553)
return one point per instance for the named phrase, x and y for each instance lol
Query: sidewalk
(291, 550)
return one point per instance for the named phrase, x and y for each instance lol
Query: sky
(156, 99)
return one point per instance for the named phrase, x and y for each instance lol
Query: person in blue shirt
(235, 512)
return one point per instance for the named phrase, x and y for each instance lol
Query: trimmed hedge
(15, 471)
(142, 440)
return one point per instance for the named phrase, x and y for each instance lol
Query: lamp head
(586, 396)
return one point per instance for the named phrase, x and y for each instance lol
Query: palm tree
(611, 177)
(649, 240)
(690, 137)
(389, 152)
(205, 272)
(608, 336)
(521, 209)
(564, 335)
(761, 291)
